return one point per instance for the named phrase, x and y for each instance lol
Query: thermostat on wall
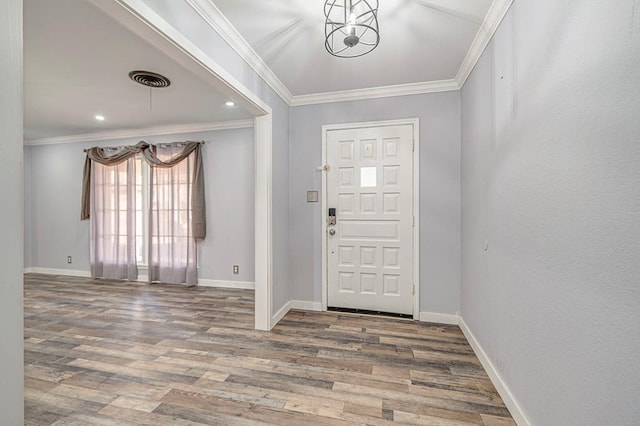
(312, 196)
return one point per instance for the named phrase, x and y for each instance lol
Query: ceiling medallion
(351, 27)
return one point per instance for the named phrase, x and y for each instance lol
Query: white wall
(54, 190)
(181, 16)
(551, 179)
(439, 115)
(11, 214)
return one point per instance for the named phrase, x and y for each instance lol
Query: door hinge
(413, 290)
(413, 221)
(413, 145)
(324, 168)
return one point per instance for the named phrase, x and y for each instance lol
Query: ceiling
(420, 41)
(77, 60)
(76, 65)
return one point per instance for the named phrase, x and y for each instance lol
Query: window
(172, 236)
(368, 177)
(142, 209)
(111, 183)
(142, 215)
(171, 203)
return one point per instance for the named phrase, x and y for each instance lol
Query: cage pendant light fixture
(351, 27)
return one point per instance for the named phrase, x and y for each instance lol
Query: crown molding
(214, 17)
(376, 92)
(492, 20)
(138, 133)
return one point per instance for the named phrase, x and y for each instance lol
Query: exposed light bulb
(352, 22)
(229, 103)
(100, 117)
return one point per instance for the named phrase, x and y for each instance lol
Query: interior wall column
(11, 215)
(263, 222)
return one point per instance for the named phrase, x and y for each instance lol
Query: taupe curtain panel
(172, 256)
(112, 236)
(100, 156)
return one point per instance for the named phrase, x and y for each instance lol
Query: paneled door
(370, 199)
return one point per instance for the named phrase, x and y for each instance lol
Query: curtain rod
(201, 142)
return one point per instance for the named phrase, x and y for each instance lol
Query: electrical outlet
(236, 269)
(69, 259)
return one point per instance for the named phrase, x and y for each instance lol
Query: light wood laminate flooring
(114, 353)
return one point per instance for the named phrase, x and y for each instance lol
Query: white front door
(369, 249)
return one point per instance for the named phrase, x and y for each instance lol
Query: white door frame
(415, 122)
(139, 18)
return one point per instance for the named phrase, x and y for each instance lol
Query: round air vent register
(149, 79)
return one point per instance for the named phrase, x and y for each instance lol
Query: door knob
(332, 231)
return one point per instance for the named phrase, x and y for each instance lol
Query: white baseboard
(247, 285)
(294, 304)
(306, 305)
(280, 314)
(53, 271)
(506, 395)
(439, 318)
(141, 277)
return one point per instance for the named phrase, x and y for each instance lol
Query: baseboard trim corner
(512, 404)
(438, 318)
(280, 314)
(306, 305)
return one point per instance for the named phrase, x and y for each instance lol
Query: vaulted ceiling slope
(76, 65)
(426, 45)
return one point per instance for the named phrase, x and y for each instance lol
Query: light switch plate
(312, 196)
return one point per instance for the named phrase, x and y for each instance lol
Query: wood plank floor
(112, 353)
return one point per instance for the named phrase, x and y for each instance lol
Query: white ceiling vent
(149, 79)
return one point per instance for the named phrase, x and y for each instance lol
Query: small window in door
(368, 177)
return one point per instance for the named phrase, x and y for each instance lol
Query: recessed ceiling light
(100, 117)
(230, 103)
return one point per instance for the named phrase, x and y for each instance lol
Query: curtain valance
(148, 151)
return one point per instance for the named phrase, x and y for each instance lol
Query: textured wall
(11, 214)
(551, 180)
(439, 115)
(55, 230)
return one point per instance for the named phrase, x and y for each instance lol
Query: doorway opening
(144, 22)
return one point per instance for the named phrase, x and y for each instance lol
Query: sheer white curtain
(172, 248)
(113, 221)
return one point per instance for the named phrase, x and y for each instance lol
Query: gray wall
(55, 230)
(439, 115)
(551, 179)
(180, 15)
(27, 207)
(11, 214)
